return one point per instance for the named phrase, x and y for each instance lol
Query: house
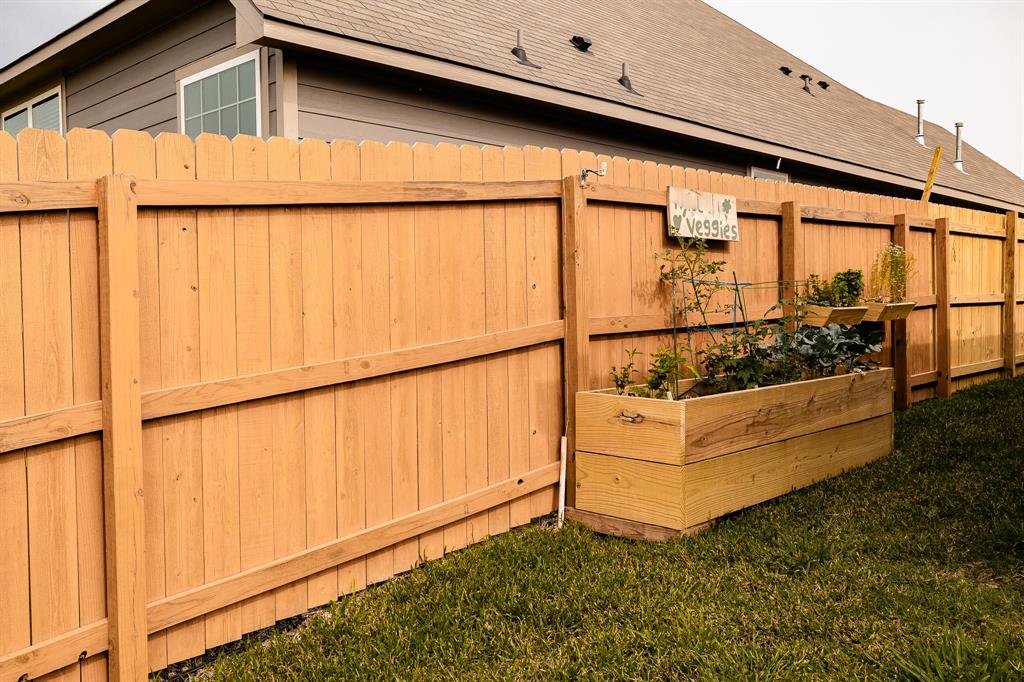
(674, 82)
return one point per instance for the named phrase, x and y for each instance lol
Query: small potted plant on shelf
(887, 292)
(834, 301)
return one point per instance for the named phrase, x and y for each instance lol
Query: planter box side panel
(640, 428)
(716, 487)
(885, 312)
(721, 424)
(821, 316)
(631, 489)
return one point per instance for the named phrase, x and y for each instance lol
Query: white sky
(965, 57)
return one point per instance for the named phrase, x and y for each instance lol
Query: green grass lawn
(912, 568)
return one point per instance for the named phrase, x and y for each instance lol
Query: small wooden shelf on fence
(885, 312)
(821, 315)
(678, 465)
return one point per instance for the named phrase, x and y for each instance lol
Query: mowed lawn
(910, 568)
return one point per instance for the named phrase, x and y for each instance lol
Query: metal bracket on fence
(592, 171)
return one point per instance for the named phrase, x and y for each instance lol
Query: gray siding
(334, 103)
(134, 86)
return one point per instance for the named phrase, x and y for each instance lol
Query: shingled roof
(687, 60)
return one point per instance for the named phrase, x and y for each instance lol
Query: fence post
(900, 345)
(942, 350)
(123, 504)
(1010, 292)
(576, 362)
(791, 253)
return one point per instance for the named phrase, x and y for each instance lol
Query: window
(39, 112)
(766, 174)
(224, 99)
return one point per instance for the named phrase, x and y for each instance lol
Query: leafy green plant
(842, 291)
(890, 272)
(666, 369)
(622, 377)
(827, 350)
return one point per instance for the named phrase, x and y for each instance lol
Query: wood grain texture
(293, 192)
(90, 156)
(942, 312)
(1009, 328)
(124, 507)
(49, 383)
(640, 428)
(623, 528)
(822, 316)
(715, 487)
(164, 613)
(631, 489)
(729, 422)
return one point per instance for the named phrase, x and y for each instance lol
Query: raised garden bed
(673, 466)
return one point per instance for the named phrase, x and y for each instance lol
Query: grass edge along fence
(82, 428)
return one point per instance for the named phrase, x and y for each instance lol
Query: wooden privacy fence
(241, 378)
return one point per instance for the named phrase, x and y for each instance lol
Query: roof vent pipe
(520, 52)
(624, 79)
(959, 162)
(920, 122)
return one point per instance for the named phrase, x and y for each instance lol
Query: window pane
(16, 122)
(211, 123)
(247, 79)
(46, 114)
(193, 101)
(211, 100)
(229, 121)
(228, 87)
(193, 126)
(247, 117)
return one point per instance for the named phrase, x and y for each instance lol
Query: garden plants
(730, 414)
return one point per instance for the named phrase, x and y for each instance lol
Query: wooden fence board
(177, 270)
(50, 469)
(496, 319)
(318, 346)
(215, 240)
(15, 629)
(253, 348)
(90, 156)
(346, 233)
(288, 413)
(402, 306)
(134, 153)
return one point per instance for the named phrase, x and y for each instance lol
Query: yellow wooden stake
(931, 174)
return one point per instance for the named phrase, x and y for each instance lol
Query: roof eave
(37, 64)
(270, 31)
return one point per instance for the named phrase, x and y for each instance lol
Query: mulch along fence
(325, 361)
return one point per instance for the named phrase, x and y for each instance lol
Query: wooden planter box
(820, 315)
(883, 312)
(677, 465)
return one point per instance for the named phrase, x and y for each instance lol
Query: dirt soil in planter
(910, 568)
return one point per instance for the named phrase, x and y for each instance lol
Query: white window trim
(253, 56)
(27, 104)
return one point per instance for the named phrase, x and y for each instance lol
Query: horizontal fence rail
(352, 357)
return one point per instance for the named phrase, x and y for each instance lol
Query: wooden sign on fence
(693, 213)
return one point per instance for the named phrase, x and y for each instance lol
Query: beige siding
(336, 104)
(134, 86)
